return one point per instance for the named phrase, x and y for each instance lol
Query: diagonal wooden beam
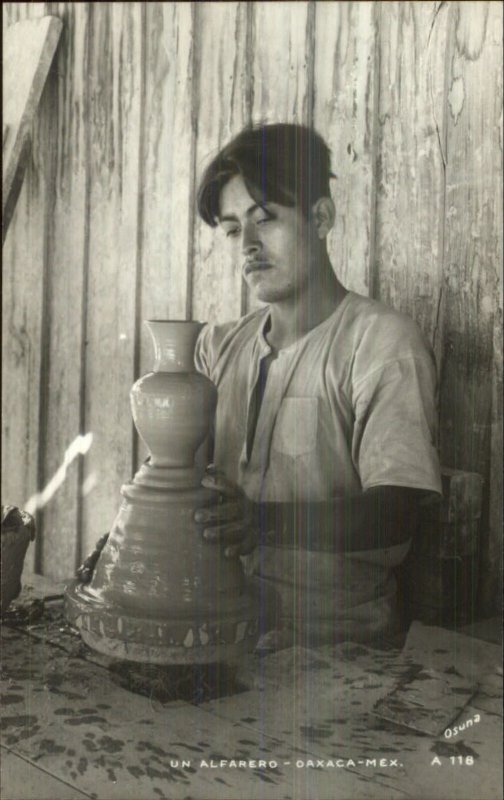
(28, 50)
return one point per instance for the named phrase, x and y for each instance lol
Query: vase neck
(174, 343)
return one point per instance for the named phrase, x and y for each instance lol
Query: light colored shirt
(348, 406)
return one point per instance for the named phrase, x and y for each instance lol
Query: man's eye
(232, 232)
(268, 217)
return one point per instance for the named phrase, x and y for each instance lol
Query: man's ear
(323, 214)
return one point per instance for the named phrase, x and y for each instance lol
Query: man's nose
(250, 242)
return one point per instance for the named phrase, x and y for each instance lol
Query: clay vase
(159, 592)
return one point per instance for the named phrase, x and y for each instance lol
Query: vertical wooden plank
(410, 174)
(14, 12)
(221, 113)
(22, 316)
(167, 181)
(114, 76)
(344, 113)
(473, 252)
(492, 580)
(281, 62)
(22, 291)
(7, 14)
(281, 45)
(66, 297)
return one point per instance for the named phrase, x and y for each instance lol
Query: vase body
(159, 592)
(173, 405)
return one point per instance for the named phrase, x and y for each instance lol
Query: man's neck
(293, 319)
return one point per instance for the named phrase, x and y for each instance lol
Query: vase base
(196, 638)
(147, 654)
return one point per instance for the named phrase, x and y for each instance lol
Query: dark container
(439, 580)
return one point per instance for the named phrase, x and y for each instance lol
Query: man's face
(275, 244)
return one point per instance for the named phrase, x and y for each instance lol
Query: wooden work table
(70, 729)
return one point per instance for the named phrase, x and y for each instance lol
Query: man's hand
(229, 519)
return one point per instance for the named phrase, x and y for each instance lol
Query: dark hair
(281, 163)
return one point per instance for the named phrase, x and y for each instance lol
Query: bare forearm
(376, 519)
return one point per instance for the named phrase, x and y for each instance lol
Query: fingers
(232, 533)
(243, 548)
(239, 540)
(225, 519)
(219, 483)
(227, 512)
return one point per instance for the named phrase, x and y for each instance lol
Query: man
(326, 414)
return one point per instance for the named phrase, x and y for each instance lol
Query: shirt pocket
(295, 432)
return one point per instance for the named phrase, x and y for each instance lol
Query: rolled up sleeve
(394, 439)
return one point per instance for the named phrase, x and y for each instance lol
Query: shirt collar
(265, 348)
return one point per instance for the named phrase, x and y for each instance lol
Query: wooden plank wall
(141, 95)
(473, 259)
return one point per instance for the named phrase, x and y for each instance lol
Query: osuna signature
(462, 726)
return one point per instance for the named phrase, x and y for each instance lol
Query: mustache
(255, 264)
